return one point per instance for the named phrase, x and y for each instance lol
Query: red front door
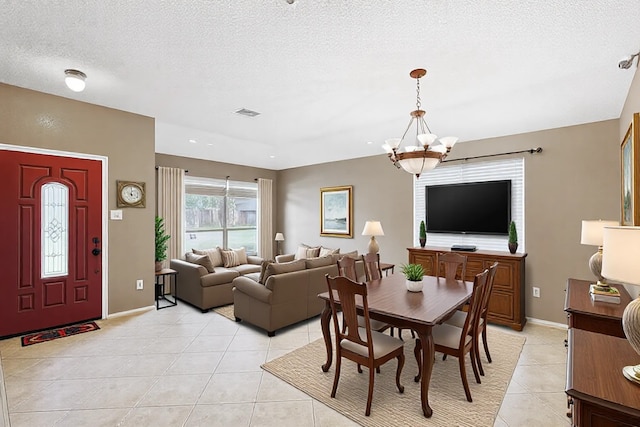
(50, 223)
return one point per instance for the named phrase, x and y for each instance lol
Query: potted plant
(413, 273)
(423, 234)
(513, 238)
(161, 243)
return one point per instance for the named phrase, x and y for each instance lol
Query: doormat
(52, 334)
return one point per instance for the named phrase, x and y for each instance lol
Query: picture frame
(336, 211)
(630, 174)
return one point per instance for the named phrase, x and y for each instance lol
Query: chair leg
(399, 371)
(413, 334)
(417, 352)
(372, 377)
(391, 332)
(444, 356)
(474, 363)
(378, 370)
(337, 375)
(476, 352)
(463, 375)
(359, 369)
(484, 342)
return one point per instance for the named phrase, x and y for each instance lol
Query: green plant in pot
(513, 238)
(161, 243)
(413, 273)
(423, 234)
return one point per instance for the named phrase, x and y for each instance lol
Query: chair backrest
(475, 304)
(347, 290)
(487, 292)
(451, 262)
(347, 268)
(372, 269)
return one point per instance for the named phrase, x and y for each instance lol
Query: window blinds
(217, 187)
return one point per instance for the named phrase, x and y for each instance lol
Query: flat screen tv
(469, 208)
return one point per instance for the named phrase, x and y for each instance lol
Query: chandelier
(431, 150)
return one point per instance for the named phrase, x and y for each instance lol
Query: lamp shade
(592, 231)
(372, 228)
(621, 246)
(279, 237)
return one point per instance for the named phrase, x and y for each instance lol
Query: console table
(599, 395)
(506, 305)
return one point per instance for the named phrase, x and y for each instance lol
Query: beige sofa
(288, 295)
(209, 284)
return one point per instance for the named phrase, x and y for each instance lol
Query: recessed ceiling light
(193, 141)
(210, 144)
(74, 79)
(272, 156)
(369, 142)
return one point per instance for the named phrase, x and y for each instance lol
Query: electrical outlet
(536, 292)
(139, 284)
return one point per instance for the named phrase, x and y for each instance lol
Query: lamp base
(631, 327)
(595, 265)
(373, 246)
(632, 373)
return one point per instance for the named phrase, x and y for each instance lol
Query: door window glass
(55, 226)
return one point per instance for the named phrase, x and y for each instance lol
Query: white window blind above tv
(496, 170)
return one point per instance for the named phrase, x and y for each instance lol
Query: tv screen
(469, 208)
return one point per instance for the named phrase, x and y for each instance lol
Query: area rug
(301, 368)
(226, 311)
(52, 334)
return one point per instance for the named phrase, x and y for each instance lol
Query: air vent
(248, 113)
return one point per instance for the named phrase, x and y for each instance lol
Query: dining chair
(450, 262)
(361, 345)
(457, 342)
(480, 328)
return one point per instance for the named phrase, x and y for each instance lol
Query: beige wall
(34, 119)
(574, 178)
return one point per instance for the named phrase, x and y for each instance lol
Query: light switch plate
(116, 214)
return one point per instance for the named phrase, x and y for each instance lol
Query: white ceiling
(327, 76)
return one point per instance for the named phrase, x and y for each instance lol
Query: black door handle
(96, 250)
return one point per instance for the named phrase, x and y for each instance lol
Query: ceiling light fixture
(432, 150)
(625, 63)
(74, 79)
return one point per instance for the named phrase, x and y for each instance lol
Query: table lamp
(620, 264)
(279, 238)
(592, 235)
(373, 229)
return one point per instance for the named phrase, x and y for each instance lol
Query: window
(220, 213)
(54, 230)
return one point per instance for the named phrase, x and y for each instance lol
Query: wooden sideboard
(599, 395)
(506, 306)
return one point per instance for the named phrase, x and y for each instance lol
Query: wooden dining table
(391, 302)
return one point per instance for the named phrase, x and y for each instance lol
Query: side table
(166, 278)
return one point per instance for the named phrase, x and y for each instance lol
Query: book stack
(604, 294)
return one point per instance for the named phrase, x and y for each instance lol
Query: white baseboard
(130, 312)
(547, 323)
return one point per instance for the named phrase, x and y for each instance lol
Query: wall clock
(130, 194)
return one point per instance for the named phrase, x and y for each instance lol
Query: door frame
(105, 206)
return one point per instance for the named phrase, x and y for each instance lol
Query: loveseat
(205, 276)
(286, 293)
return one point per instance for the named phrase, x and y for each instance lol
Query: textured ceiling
(327, 76)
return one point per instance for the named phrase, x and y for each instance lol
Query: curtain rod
(531, 151)
(185, 171)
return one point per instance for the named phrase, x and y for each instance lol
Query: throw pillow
(319, 262)
(283, 267)
(242, 255)
(263, 270)
(202, 260)
(214, 254)
(352, 254)
(328, 251)
(306, 251)
(230, 258)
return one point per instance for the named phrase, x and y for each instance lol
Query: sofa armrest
(252, 259)
(252, 289)
(285, 258)
(187, 271)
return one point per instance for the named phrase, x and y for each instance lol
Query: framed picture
(336, 211)
(630, 173)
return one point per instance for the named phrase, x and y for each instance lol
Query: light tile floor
(179, 367)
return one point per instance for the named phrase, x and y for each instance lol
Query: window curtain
(169, 207)
(265, 218)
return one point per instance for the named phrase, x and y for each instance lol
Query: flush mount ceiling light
(74, 80)
(431, 150)
(625, 63)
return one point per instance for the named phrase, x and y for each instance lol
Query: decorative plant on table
(423, 234)
(513, 238)
(161, 243)
(413, 273)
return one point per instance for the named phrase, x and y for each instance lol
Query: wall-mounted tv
(469, 208)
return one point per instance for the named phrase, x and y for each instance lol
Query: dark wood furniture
(166, 280)
(374, 349)
(602, 317)
(386, 268)
(390, 302)
(601, 395)
(372, 268)
(506, 306)
(452, 262)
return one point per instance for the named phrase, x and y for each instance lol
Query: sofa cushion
(214, 255)
(283, 267)
(246, 269)
(222, 276)
(253, 276)
(319, 262)
(306, 251)
(202, 260)
(328, 251)
(352, 254)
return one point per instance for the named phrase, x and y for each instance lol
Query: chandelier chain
(418, 101)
